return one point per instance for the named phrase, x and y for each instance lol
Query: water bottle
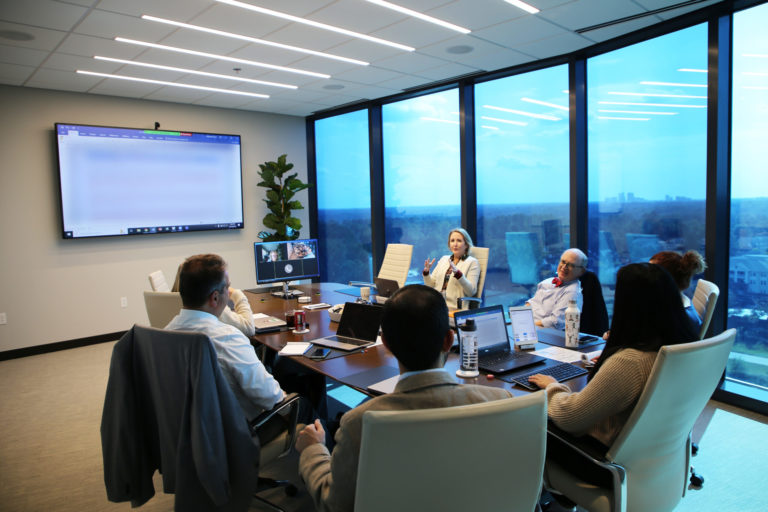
(468, 350)
(572, 321)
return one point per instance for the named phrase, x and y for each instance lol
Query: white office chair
(397, 262)
(157, 281)
(482, 255)
(486, 456)
(649, 461)
(704, 301)
(161, 307)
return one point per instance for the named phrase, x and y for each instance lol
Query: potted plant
(280, 200)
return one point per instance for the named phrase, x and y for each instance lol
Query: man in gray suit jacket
(415, 329)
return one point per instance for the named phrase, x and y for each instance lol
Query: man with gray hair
(552, 295)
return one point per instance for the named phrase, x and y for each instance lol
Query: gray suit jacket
(331, 480)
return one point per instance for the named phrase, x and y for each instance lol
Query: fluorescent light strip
(519, 123)
(650, 104)
(173, 84)
(756, 55)
(691, 70)
(638, 112)
(546, 104)
(222, 57)
(489, 127)
(657, 95)
(523, 113)
(755, 87)
(316, 24)
(625, 118)
(253, 40)
(754, 73)
(421, 16)
(194, 72)
(673, 84)
(522, 5)
(435, 119)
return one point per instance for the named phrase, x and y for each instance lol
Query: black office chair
(594, 314)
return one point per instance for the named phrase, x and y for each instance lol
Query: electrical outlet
(123, 302)
(3, 319)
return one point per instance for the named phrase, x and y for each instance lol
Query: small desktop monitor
(286, 261)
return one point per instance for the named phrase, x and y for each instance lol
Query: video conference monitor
(126, 181)
(286, 261)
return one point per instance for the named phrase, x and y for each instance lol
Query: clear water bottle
(468, 350)
(572, 321)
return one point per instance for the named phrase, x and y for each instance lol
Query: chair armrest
(289, 409)
(362, 283)
(474, 302)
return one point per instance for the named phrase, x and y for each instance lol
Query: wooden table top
(347, 369)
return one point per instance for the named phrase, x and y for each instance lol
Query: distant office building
(751, 269)
(641, 246)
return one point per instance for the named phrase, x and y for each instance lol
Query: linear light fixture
(756, 55)
(508, 121)
(523, 113)
(222, 57)
(672, 84)
(194, 72)
(172, 84)
(420, 16)
(755, 87)
(546, 103)
(522, 5)
(437, 120)
(692, 70)
(754, 73)
(489, 127)
(625, 118)
(316, 24)
(638, 112)
(253, 40)
(657, 95)
(650, 104)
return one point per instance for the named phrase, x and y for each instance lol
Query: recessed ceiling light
(222, 57)
(16, 35)
(459, 49)
(421, 16)
(523, 113)
(333, 87)
(194, 72)
(254, 40)
(172, 84)
(316, 24)
(522, 5)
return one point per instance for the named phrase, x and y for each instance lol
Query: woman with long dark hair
(647, 315)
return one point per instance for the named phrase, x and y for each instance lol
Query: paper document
(294, 348)
(559, 354)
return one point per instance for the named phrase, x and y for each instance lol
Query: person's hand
(541, 380)
(454, 268)
(311, 434)
(428, 265)
(606, 334)
(538, 323)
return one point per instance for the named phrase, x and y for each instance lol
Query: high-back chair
(481, 254)
(485, 456)
(161, 307)
(157, 281)
(397, 262)
(649, 461)
(704, 301)
(594, 314)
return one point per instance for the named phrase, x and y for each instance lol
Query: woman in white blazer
(456, 274)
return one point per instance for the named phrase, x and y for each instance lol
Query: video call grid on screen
(286, 261)
(118, 181)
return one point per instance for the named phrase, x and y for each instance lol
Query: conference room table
(361, 368)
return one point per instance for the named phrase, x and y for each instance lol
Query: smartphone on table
(317, 353)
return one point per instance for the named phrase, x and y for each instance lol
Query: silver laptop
(265, 323)
(358, 327)
(522, 327)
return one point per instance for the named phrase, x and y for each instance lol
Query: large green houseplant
(280, 200)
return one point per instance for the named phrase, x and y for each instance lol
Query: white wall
(56, 290)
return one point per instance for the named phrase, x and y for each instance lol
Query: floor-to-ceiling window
(747, 371)
(344, 197)
(521, 141)
(647, 145)
(422, 178)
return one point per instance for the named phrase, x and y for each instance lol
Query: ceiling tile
(202, 42)
(71, 63)
(21, 56)
(585, 13)
(357, 15)
(180, 95)
(13, 74)
(447, 70)
(410, 63)
(42, 39)
(513, 34)
(557, 45)
(42, 13)
(62, 80)
(367, 75)
(179, 10)
(109, 25)
(88, 46)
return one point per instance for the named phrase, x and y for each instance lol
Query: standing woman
(682, 269)
(456, 274)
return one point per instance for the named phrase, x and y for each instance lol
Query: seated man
(552, 295)
(204, 289)
(415, 329)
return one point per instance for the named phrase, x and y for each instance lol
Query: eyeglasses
(569, 265)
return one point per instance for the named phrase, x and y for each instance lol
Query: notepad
(294, 348)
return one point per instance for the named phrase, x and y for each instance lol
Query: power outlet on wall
(123, 302)
(3, 319)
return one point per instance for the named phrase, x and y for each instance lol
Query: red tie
(557, 282)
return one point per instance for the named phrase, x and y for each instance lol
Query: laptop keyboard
(500, 362)
(560, 372)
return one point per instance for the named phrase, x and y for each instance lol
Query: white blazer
(464, 287)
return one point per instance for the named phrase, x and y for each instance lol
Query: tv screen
(128, 181)
(286, 261)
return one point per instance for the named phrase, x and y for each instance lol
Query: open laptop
(495, 355)
(522, 327)
(265, 323)
(358, 327)
(385, 287)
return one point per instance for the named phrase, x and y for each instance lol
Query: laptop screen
(523, 328)
(491, 328)
(360, 321)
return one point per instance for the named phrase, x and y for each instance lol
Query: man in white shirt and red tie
(552, 295)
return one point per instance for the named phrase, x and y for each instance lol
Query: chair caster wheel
(697, 480)
(291, 490)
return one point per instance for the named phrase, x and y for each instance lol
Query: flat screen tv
(286, 261)
(130, 181)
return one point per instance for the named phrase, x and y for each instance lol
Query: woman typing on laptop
(455, 275)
